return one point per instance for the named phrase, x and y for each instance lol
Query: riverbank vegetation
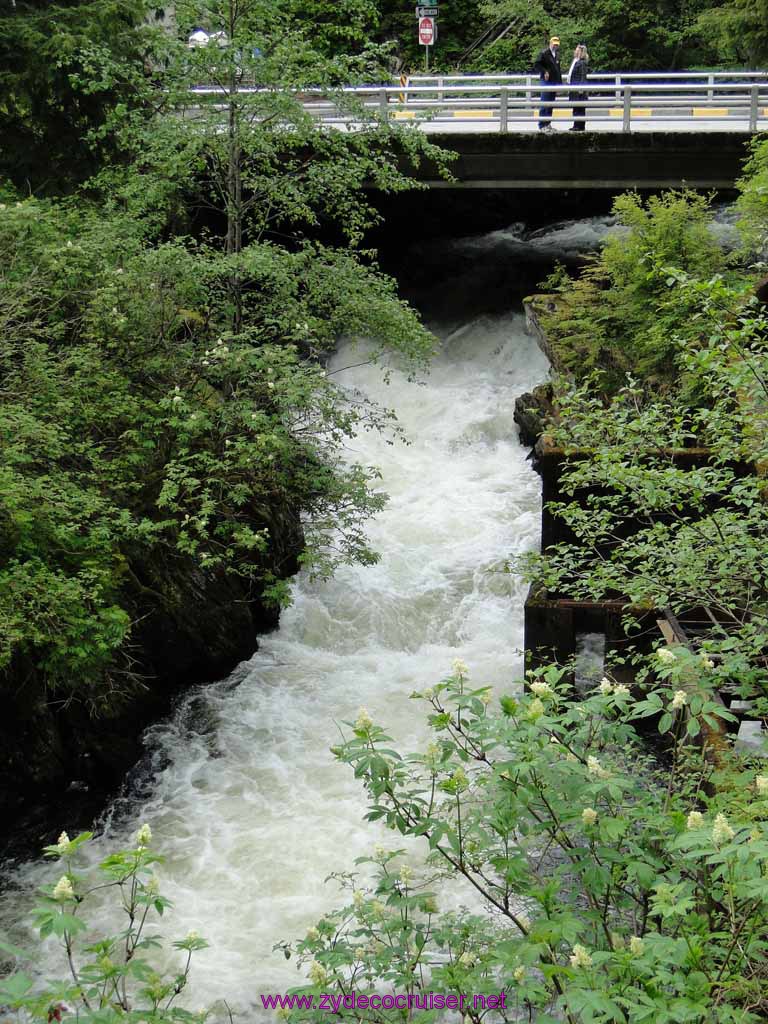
(670, 341)
(169, 297)
(171, 288)
(602, 880)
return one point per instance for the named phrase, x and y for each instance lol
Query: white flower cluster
(542, 689)
(636, 946)
(143, 837)
(694, 820)
(580, 957)
(679, 700)
(317, 974)
(721, 830)
(666, 655)
(433, 756)
(363, 722)
(63, 890)
(459, 668)
(62, 844)
(761, 785)
(589, 815)
(595, 768)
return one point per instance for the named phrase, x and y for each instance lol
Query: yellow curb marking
(636, 112)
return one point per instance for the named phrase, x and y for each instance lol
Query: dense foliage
(649, 36)
(163, 335)
(663, 496)
(600, 323)
(65, 69)
(506, 35)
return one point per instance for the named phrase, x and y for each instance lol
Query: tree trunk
(234, 179)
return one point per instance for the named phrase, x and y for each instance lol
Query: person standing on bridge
(547, 67)
(577, 75)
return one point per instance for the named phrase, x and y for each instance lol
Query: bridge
(643, 130)
(617, 101)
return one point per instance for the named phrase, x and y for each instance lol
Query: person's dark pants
(545, 113)
(579, 113)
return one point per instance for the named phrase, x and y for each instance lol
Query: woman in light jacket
(577, 75)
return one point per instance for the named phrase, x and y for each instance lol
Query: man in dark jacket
(547, 67)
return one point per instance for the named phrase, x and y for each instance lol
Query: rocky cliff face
(60, 763)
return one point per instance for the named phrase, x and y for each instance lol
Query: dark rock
(61, 760)
(533, 412)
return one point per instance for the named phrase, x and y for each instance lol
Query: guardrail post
(617, 83)
(753, 102)
(440, 84)
(503, 109)
(627, 116)
(383, 104)
(711, 89)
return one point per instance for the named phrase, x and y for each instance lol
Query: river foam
(247, 803)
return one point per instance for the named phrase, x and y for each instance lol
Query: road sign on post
(427, 12)
(426, 31)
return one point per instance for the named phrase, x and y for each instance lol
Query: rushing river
(245, 799)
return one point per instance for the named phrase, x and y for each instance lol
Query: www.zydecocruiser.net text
(333, 1002)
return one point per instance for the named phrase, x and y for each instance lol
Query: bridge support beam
(591, 160)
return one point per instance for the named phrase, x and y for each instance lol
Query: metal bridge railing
(513, 101)
(518, 103)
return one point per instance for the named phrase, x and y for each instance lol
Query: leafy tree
(752, 203)
(339, 28)
(738, 30)
(64, 68)
(648, 36)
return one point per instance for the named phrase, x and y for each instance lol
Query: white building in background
(165, 15)
(198, 38)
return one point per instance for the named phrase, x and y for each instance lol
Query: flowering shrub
(111, 978)
(609, 887)
(139, 432)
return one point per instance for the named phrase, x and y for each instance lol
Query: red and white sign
(426, 31)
